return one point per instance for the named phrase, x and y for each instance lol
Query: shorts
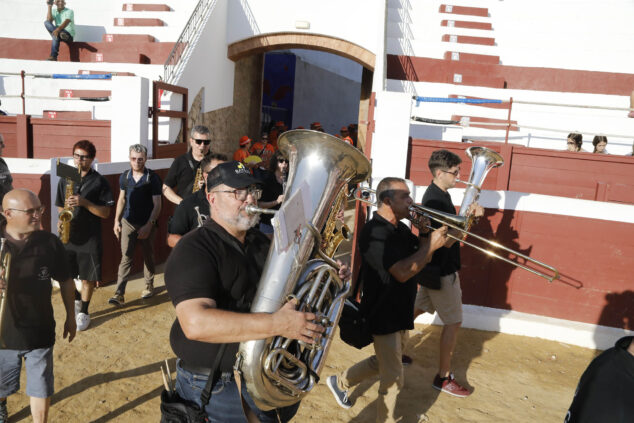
(39, 372)
(84, 261)
(446, 301)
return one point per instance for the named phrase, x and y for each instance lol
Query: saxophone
(279, 371)
(66, 215)
(197, 178)
(5, 264)
(333, 236)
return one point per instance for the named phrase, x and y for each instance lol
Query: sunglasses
(282, 161)
(81, 156)
(206, 142)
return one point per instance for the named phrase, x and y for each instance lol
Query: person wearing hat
(275, 133)
(211, 277)
(344, 135)
(263, 149)
(243, 151)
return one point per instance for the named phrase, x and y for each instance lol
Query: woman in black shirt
(273, 190)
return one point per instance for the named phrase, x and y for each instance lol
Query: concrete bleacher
(492, 49)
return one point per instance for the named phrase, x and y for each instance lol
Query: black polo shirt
(85, 225)
(271, 189)
(185, 217)
(138, 195)
(29, 323)
(606, 388)
(445, 261)
(181, 174)
(389, 302)
(210, 263)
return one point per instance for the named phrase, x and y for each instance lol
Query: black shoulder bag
(175, 409)
(354, 323)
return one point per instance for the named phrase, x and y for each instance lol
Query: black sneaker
(340, 396)
(4, 414)
(406, 360)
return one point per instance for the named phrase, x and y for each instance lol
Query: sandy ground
(110, 373)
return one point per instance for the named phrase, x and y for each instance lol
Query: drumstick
(169, 375)
(165, 380)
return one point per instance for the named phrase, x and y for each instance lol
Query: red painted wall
(595, 257)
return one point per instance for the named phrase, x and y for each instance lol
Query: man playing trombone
(440, 284)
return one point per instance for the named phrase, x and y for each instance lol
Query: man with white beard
(212, 276)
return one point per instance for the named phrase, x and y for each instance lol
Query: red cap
(317, 124)
(244, 141)
(300, 127)
(279, 123)
(344, 129)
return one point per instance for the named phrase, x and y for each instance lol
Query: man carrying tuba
(440, 287)
(212, 276)
(90, 203)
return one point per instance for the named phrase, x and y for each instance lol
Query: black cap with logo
(233, 174)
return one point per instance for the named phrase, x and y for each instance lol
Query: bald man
(28, 325)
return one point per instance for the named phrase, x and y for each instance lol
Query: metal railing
(187, 40)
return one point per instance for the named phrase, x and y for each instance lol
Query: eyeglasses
(206, 142)
(137, 159)
(454, 173)
(31, 212)
(242, 193)
(81, 156)
(282, 161)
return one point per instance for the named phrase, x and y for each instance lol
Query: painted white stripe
(517, 323)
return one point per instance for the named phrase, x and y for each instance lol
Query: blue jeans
(225, 405)
(50, 27)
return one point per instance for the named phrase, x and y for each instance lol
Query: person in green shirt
(60, 23)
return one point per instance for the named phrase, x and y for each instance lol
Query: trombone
(459, 223)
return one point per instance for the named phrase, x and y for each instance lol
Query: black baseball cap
(233, 174)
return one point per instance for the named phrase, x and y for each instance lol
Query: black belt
(203, 370)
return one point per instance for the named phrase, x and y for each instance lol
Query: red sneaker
(450, 386)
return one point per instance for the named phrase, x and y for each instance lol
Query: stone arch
(287, 40)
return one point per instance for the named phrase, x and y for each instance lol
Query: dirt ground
(110, 373)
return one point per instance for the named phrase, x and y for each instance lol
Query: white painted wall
(324, 96)
(129, 116)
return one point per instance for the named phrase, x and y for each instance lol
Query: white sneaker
(77, 307)
(83, 320)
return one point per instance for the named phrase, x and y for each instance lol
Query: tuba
(482, 161)
(278, 371)
(5, 264)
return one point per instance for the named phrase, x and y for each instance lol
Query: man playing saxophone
(193, 210)
(212, 276)
(90, 204)
(28, 325)
(181, 177)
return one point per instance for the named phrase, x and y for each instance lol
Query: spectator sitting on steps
(60, 23)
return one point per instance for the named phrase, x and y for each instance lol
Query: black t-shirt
(606, 389)
(185, 217)
(29, 322)
(445, 261)
(182, 173)
(6, 180)
(210, 263)
(96, 189)
(138, 195)
(271, 189)
(382, 245)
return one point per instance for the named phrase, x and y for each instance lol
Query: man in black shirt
(138, 209)
(91, 202)
(179, 182)
(6, 180)
(392, 258)
(28, 324)
(440, 291)
(606, 388)
(193, 210)
(212, 276)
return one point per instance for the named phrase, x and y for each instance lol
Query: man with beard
(212, 276)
